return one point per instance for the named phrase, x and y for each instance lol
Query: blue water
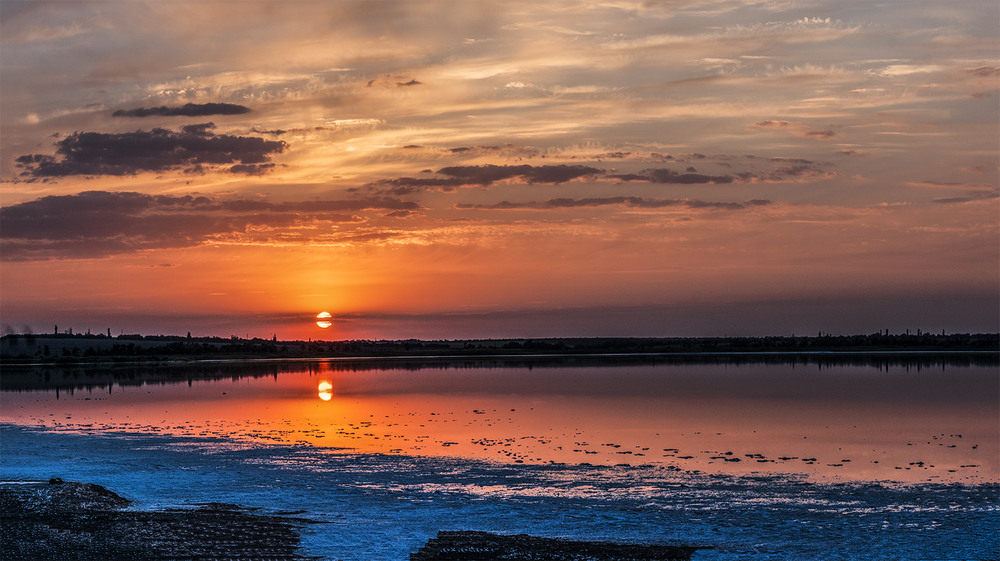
(374, 507)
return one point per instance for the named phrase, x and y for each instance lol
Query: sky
(491, 169)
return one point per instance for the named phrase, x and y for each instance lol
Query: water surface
(838, 459)
(905, 421)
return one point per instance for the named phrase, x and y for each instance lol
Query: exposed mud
(68, 521)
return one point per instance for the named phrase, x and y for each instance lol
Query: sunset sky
(452, 169)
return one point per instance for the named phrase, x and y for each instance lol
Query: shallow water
(371, 506)
(838, 422)
(403, 450)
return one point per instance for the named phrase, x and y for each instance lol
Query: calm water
(835, 458)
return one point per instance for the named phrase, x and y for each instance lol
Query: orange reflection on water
(847, 423)
(325, 390)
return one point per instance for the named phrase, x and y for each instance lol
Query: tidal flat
(752, 459)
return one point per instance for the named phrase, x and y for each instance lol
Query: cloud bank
(95, 153)
(186, 110)
(102, 223)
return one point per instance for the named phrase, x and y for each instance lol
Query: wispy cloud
(627, 202)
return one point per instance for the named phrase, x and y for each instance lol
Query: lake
(805, 457)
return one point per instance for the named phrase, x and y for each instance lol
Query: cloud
(985, 71)
(798, 129)
(788, 168)
(827, 133)
(972, 191)
(624, 201)
(389, 81)
(487, 174)
(462, 176)
(102, 223)
(782, 169)
(94, 153)
(251, 169)
(668, 176)
(186, 110)
(409, 185)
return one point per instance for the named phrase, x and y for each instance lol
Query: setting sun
(323, 320)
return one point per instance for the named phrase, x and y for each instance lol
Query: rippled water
(272, 442)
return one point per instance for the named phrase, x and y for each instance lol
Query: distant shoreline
(59, 349)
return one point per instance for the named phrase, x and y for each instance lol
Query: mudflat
(65, 520)
(71, 520)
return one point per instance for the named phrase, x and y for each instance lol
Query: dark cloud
(251, 169)
(487, 174)
(400, 214)
(201, 129)
(507, 150)
(461, 176)
(614, 155)
(401, 186)
(797, 129)
(101, 223)
(187, 110)
(985, 71)
(272, 132)
(390, 81)
(780, 124)
(788, 172)
(970, 197)
(195, 146)
(484, 175)
(792, 161)
(626, 201)
(668, 176)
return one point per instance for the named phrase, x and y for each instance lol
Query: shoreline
(29, 349)
(88, 373)
(72, 520)
(988, 357)
(389, 508)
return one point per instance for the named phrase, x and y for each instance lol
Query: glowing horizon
(428, 169)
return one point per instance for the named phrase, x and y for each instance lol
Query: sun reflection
(325, 391)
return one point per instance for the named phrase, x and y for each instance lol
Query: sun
(323, 319)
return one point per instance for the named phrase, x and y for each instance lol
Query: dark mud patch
(475, 546)
(78, 521)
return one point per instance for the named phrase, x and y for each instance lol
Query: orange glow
(524, 417)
